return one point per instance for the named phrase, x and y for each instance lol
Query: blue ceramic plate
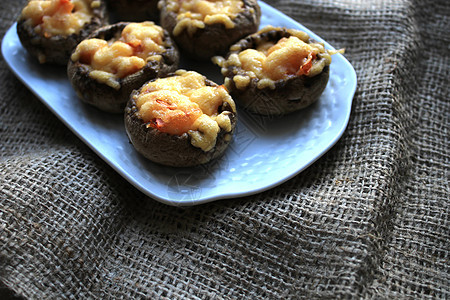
(265, 152)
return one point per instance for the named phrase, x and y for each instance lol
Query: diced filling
(269, 62)
(185, 104)
(58, 17)
(194, 14)
(118, 58)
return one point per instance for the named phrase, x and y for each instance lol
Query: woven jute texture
(370, 219)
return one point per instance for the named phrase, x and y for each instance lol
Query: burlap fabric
(370, 219)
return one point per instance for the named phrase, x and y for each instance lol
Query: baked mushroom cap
(56, 49)
(134, 10)
(277, 96)
(175, 150)
(112, 96)
(200, 40)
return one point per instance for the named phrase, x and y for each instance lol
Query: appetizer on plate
(116, 59)
(50, 29)
(181, 120)
(276, 70)
(203, 28)
(134, 10)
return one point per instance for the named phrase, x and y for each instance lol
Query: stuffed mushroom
(181, 120)
(276, 71)
(134, 10)
(50, 29)
(105, 68)
(203, 28)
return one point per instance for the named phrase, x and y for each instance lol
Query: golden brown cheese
(194, 14)
(139, 43)
(185, 104)
(270, 62)
(58, 17)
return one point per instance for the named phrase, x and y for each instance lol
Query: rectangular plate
(264, 152)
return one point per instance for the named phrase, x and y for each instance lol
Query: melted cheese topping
(194, 14)
(269, 62)
(138, 44)
(185, 104)
(58, 17)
